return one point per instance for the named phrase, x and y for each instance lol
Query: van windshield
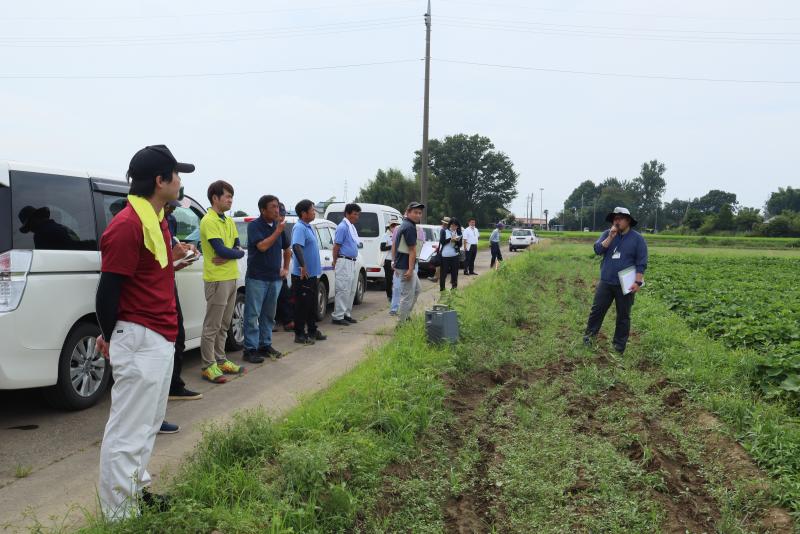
(367, 224)
(5, 218)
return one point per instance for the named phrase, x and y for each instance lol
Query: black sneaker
(154, 501)
(303, 340)
(587, 341)
(350, 319)
(185, 394)
(619, 350)
(319, 336)
(270, 352)
(341, 322)
(252, 356)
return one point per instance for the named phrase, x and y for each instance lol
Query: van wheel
(235, 339)
(322, 300)
(360, 288)
(511, 249)
(83, 373)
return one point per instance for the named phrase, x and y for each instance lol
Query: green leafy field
(748, 302)
(660, 240)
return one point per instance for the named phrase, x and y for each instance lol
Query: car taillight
(14, 267)
(373, 269)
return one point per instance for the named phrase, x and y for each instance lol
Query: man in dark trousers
(621, 248)
(177, 387)
(306, 271)
(138, 319)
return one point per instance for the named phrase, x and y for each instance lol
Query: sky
(308, 99)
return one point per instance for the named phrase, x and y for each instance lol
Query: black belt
(347, 258)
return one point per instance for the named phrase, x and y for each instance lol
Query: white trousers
(346, 284)
(141, 361)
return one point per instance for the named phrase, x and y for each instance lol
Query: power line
(607, 35)
(200, 75)
(622, 75)
(616, 28)
(327, 6)
(214, 37)
(495, 5)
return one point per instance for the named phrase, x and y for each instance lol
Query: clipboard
(627, 277)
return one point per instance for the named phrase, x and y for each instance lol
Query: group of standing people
(140, 317)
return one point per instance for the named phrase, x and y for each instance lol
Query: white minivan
(371, 229)
(51, 221)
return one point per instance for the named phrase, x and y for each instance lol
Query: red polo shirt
(148, 292)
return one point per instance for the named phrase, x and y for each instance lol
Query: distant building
(530, 223)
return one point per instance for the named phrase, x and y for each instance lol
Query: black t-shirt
(408, 232)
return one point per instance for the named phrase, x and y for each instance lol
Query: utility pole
(527, 205)
(581, 213)
(541, 201)
(532, 204)
(423, 180)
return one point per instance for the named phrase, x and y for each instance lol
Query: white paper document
(627, 277)
(189, 258)
(427, 251)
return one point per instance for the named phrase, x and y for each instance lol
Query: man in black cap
(623, 249)
(405, 259)
(138, 319)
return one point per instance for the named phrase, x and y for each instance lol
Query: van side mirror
(361, 245)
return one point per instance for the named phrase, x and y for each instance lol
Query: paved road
(61, 449)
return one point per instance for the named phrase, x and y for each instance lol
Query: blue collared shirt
(305, 236)
(344, 238)
(625, 250)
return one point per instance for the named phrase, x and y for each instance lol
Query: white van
(51, 221)
(371, 229)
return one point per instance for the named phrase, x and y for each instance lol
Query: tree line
(716, 212)
(468, 178)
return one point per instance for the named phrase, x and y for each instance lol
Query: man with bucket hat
(622, 248)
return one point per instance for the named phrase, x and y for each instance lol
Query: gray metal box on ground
(441, 324)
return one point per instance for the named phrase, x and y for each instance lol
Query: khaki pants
(220, 300)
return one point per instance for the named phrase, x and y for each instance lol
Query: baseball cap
(415, 206)
(155, 159)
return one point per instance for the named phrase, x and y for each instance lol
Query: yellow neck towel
(151, 227)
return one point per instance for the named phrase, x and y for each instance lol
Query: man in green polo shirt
(220, 242)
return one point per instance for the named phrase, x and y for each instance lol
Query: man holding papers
(624, 254)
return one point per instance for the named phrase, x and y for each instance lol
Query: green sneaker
(213, 374)
(230, 368)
